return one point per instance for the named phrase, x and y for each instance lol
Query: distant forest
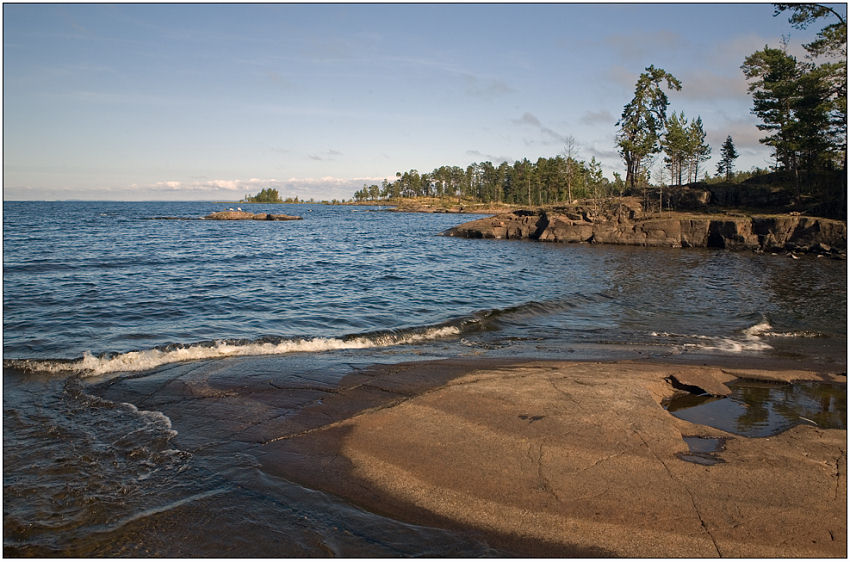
(802, 105)
(545, 181)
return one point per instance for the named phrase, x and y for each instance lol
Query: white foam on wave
(154, 417)
(92, 365)
(761, 329)
(752, 340)
(730, 345)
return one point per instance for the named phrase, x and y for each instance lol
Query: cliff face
(623, 222)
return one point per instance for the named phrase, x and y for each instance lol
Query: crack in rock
(690, 494)
(543, 483)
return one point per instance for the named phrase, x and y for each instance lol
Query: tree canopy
(557, 179)
(643, 120)
(267, 195)
(803, 104)
(727, 158)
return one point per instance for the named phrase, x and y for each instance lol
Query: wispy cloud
(706, 85)
(203, 184)
(641, 45)
(744, 134)
(478, 155)
(602, 117)
(549, 136)
(619, 74)
(485, 87)
(325, 156)
(306, 187)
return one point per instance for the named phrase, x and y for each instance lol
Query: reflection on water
(701, 450)
(762, 409)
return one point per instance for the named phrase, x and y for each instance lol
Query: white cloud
(327, 187)
(165, 185)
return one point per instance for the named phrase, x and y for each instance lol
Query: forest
(802, 105)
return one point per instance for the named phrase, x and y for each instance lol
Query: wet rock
(701, 382)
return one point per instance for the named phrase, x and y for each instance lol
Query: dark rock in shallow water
(243, 215)
(623, 222)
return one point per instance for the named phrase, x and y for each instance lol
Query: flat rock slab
(577, 459)
(244, 215)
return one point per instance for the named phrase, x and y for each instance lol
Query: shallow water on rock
(762, 409)
(701, 450)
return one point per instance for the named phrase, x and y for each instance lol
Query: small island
(240, 215)
(267, 195)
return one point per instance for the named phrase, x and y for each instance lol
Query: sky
(215, 101)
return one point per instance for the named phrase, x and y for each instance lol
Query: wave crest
(93, 365)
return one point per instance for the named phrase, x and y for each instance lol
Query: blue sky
(213, 101)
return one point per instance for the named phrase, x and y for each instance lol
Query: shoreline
(534, 457)
(486, 446)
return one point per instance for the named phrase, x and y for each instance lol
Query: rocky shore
(441, 206)
(623, 221)
(573, 459)
(537, 458)
(244, 215)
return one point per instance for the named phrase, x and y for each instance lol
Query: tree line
(546, 181)
(802, 106)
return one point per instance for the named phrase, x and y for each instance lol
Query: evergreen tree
(826, 85)
(643, 119)
(698, 150)
(676, 146)
(267, 195)
(774, 76)
(727, 158)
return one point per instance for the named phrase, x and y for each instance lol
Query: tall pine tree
(727, 158)
(643, 120)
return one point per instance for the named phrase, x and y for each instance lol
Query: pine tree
(727, 158)
(774, 76)
(643, 119)
(698, 149)
(675, 145)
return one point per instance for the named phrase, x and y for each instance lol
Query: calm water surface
(97, 292)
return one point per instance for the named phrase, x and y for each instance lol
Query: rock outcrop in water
(244, 215)
(622, 221)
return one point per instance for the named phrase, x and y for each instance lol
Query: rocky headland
(426, 205)
(624, 221)
(244, 215)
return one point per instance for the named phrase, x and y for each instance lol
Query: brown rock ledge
(244, 215)
(623, 221)
(571, 459)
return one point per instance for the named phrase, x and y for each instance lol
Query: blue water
(103, 293)
(108, 278)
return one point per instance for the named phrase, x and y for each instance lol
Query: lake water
(96, 293)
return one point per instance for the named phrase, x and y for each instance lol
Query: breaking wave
(93, 365)
(750, 339)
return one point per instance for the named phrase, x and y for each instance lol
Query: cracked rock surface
(560, 458)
